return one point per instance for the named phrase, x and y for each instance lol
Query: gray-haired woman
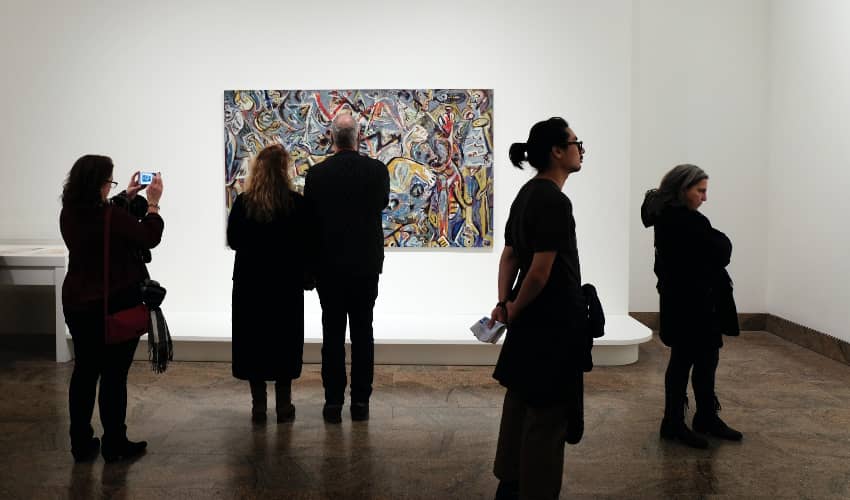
(696, 301)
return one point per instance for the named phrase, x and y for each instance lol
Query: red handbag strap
(107, 221)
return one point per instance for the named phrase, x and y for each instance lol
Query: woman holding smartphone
(135, 228)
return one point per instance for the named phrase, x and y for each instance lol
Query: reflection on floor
(433, 432)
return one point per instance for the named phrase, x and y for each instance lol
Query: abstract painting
(437, 145)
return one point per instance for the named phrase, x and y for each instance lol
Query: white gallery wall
(142, 82)
(699, 86)
(808, 277)
(756, 92)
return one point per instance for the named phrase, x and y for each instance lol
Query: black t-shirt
(541, 220)
(544, 342)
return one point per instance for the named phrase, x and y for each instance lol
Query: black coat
(696, 301)
(348, 192)
(268, 293)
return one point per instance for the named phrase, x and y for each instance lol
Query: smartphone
(146, 178)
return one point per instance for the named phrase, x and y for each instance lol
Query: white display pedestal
(399, 339)
(22, 264)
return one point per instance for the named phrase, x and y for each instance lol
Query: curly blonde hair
(268, 188)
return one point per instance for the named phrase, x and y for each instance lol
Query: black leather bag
(152, 293)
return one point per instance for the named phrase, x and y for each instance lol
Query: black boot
(259, 404)
(359, 411)
(707, 421)
(677, 430)
(121, 449)
(332, 413)
(673, 426)
(85, 451)
(283, 401)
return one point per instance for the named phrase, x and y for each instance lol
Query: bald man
(347, 192)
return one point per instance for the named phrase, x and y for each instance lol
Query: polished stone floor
(433, 433)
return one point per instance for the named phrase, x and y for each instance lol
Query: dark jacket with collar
(133, 232)
(347, 194)
(696, 301)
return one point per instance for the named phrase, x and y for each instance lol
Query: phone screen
(145, 177)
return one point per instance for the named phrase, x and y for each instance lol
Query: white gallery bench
(399, 339)
(22, 264)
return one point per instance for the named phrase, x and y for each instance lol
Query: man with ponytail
(541, 300)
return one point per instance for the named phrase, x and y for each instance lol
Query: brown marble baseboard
(649, 319)
(748, 321)
(819, 342)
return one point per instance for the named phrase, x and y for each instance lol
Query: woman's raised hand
(133, 187)
(155, 190)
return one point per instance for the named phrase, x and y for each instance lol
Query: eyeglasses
(112, 184)
(579, 145)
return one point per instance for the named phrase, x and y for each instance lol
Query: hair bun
(518, 153)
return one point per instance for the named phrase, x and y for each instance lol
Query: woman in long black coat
(696, 301)
(266, 227)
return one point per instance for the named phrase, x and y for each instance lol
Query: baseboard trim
(819, 342)
(649, 319)
(748, 321)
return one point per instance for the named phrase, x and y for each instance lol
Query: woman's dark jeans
(95, 360)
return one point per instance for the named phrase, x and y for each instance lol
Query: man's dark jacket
(347, 193)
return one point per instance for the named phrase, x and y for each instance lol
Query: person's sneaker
(286, 414)
(678, 431)
(87, 451)
(359, 411)
(332, 413)
(123, 451)
(713, 425)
